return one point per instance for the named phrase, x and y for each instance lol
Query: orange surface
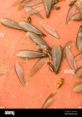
(38, 87)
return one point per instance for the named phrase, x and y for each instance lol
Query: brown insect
(60, 83)
(29, 27)
(70, 58)
(47, 6)
(57, 57)
(37, 66)
(30, 54)
(38, 40)
(20, 73)
(71, 12)
(10, 23)
(50, 30)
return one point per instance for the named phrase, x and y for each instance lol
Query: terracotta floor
(38, 87)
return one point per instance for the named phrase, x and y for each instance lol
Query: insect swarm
(52, 54)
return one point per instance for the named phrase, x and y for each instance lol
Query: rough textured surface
(38, 87)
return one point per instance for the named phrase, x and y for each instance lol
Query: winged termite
(37, 66)
(71, 12)
(78, 72)
(32, 11)
(47, 6)
(20, 73)
(57, 57)
(10, 23)
(29, 27)
(30, 54)
(48, 101)
(70, 57)
(38, 40)
(78, 88)
(79, 39)
(69, 45)
(50, 30)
